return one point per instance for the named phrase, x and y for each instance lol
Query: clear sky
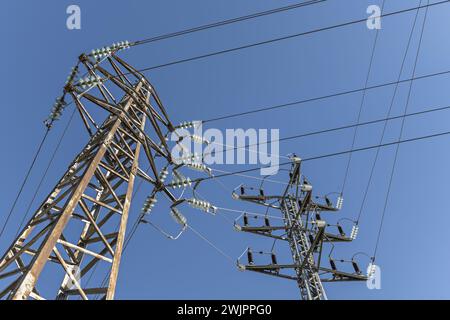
(38, 52)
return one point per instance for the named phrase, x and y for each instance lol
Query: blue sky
(39, 50)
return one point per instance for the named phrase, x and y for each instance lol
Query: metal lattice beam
(304, 231)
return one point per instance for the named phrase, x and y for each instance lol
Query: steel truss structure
(81, 224)
(304, 230)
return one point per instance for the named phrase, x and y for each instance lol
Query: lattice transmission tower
(80, 226)
(305, 232)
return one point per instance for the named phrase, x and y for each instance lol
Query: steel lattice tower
(81, 224)
(304, 231)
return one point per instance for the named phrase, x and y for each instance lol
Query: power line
(211, 244)
(25, 180)
(226, 22)
(242, 147)
(289, 37)
(363, 99)
(250, 213)
(334, 154)
(399, 138)
(250, 177)
(256, 44)
(333, 95)
(372, 170)
(328, 96)
(289, 104)
(377, 146)
(218, 24)
(312, 133)
(45, 172)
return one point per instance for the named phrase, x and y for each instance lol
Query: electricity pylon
(305, 232)
(80, 226)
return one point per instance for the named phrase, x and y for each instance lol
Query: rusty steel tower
(305, 232)
(81, 224)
